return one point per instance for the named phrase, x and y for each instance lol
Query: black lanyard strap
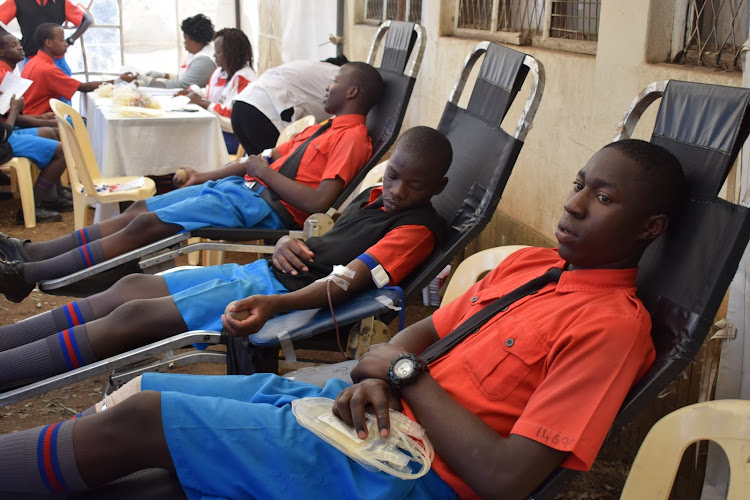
(472, 325)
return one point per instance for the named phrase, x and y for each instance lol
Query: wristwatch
(405, 368)
(70, 40)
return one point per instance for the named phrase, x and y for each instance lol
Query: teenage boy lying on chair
(305, 175)
(536, 387)
(398, 229)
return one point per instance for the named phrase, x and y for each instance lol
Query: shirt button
(474, 299)
(504, 309)
(510, 342)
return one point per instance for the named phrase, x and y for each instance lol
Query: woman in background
(197, 31)
(234, 60)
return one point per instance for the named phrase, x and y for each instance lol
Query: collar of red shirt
(4, 65)
(595, 279)
(42, 3)
(341, 121)
(42, 54)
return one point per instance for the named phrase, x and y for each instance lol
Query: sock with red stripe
(58, 353)
(40, 461)
(62, 265)
(47, 249)
(45, 324)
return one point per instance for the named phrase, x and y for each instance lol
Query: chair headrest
(500, 78)
(399, 43)
(704, 126)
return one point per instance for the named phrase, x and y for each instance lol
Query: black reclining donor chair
(399, 67)
(484, 155)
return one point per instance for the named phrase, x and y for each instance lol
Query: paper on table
(12, 85)
(113, 188)
(176, 103)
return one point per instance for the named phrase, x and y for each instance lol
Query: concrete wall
(584, 100)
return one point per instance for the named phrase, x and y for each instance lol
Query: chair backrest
(385, 118)
(374, 176)
(294, 128)
(725, 422)
(685, 273)
(471, 269)
(483, 153)
(79, 155)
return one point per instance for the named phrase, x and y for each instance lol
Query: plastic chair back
(79, 155)
(470, 270)
(725, 422)
(295, 128)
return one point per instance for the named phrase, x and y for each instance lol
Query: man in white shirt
(278, 97)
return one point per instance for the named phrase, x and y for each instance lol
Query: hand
(49, 115)
(256, 166)
(260, 310)
(290, 255)
(376, 362)
(16, 102)
(182, 92)
(198, 99)
(189, 178)
(128, 77)
(351, 403)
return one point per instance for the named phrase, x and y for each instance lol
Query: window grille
(99, 52)
(575, 19)
(712, 33)
(383, 10)
(569, 19)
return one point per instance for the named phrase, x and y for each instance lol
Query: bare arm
(298, 195)
(314, 295)
(25, 121)
(16, 105)
(86, 22)
(228, 170)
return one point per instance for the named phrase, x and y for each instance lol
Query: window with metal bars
(528, 22)
(99, 52)
(377, 11)
(709, 33)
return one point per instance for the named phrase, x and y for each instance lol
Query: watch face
(403, 368)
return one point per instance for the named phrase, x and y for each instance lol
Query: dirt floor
(604, 482)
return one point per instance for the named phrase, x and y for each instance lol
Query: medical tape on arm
(379, 276)
(341, 276)
(120, 395)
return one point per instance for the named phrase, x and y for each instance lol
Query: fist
(238, 315)
(180, 177)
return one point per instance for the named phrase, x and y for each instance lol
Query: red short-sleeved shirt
(556, 366)
(73, 12)
(403, 248)
(49, 83)
(341, 151)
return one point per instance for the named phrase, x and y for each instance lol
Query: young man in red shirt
(537, 386)
(50, 82)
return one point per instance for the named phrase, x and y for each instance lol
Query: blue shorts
(201, 295)
(28, 144)
(224, 203)
(236, 437)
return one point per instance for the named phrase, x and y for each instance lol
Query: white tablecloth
(154, 145)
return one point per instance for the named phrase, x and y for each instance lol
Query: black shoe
(58, 205)
(12, 284)
(64, 192)
(12, 249)
(4, 179)
(42, 215)
(6, 195)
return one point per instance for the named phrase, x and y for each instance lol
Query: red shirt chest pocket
(316, 157)
(502, 356)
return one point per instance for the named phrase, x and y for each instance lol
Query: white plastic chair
(725, 422)
(84, 171)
